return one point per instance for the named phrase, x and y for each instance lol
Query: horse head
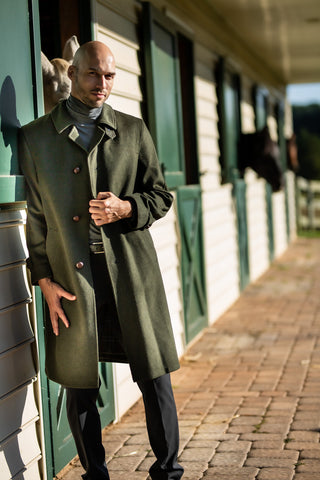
(258, 151)
(292, 153)
(56, 83)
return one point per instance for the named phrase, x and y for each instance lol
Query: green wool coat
(61, 179)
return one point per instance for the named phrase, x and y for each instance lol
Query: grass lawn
(309, 233)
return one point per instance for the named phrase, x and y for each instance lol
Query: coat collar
(62, 120)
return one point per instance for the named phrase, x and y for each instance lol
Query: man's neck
(82, 112)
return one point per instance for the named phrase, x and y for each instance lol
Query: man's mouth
(99, 94)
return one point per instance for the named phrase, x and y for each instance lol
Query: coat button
(76, 218)
(79, 265)
(76, 170)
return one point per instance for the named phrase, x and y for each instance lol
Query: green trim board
(20, 95)
(239, 193)
(261, 106)
(12, 189)
(16, 92)
(269, 208)
(44, 383)
(35, 45)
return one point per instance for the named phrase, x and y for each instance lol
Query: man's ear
(71, 72)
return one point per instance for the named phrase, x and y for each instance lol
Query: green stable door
(230, 128)
(169, 121)
(190, 215)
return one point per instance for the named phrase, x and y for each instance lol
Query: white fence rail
(308, 203)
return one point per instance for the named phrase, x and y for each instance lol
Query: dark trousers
(162, 426)
(160, 408)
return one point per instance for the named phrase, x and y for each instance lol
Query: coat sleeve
(151, 199)
(36, 229)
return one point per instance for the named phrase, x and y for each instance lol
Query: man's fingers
(95, 204)
(64, 319)
(55, 317)
(59, 312)
(55, 324)
(103, 195)
(53, 292)
(68, 295)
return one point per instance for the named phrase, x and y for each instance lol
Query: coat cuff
(38, 272)
(140, 214)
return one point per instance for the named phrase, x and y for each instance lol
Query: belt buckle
(96, 248)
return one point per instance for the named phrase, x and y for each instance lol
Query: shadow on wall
(9, 124)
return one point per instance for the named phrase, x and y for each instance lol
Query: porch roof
(282, 35)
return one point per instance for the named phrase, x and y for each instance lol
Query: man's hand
(108, 208)
(53, 293)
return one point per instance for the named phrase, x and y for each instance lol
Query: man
(94, 187)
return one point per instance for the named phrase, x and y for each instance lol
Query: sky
(303, 94)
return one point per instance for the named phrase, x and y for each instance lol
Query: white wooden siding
(219, 221)
(288, 120)
(247, 109)
(207, 120)
(116, 25)
(221, 250)
(120, 34)
(19, 446)
(273, 127)
(257, 226)
(279, 223)
(126, 391)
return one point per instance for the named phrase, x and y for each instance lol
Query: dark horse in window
(258, 151)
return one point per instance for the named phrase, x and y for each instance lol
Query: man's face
(92, 80)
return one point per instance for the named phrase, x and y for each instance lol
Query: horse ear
(47, 67)
(70, 48)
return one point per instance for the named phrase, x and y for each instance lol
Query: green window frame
(163, 92)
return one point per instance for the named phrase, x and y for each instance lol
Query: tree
(307, 128)
(309, 154)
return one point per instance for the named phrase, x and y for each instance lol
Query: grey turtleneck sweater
(84, 119)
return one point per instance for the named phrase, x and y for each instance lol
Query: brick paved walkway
(248, 392)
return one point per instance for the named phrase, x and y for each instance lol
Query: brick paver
(248, 391)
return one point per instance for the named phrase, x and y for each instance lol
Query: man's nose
(102, 82)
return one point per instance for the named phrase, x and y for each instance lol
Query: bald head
(92, 73)
(92, 50)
